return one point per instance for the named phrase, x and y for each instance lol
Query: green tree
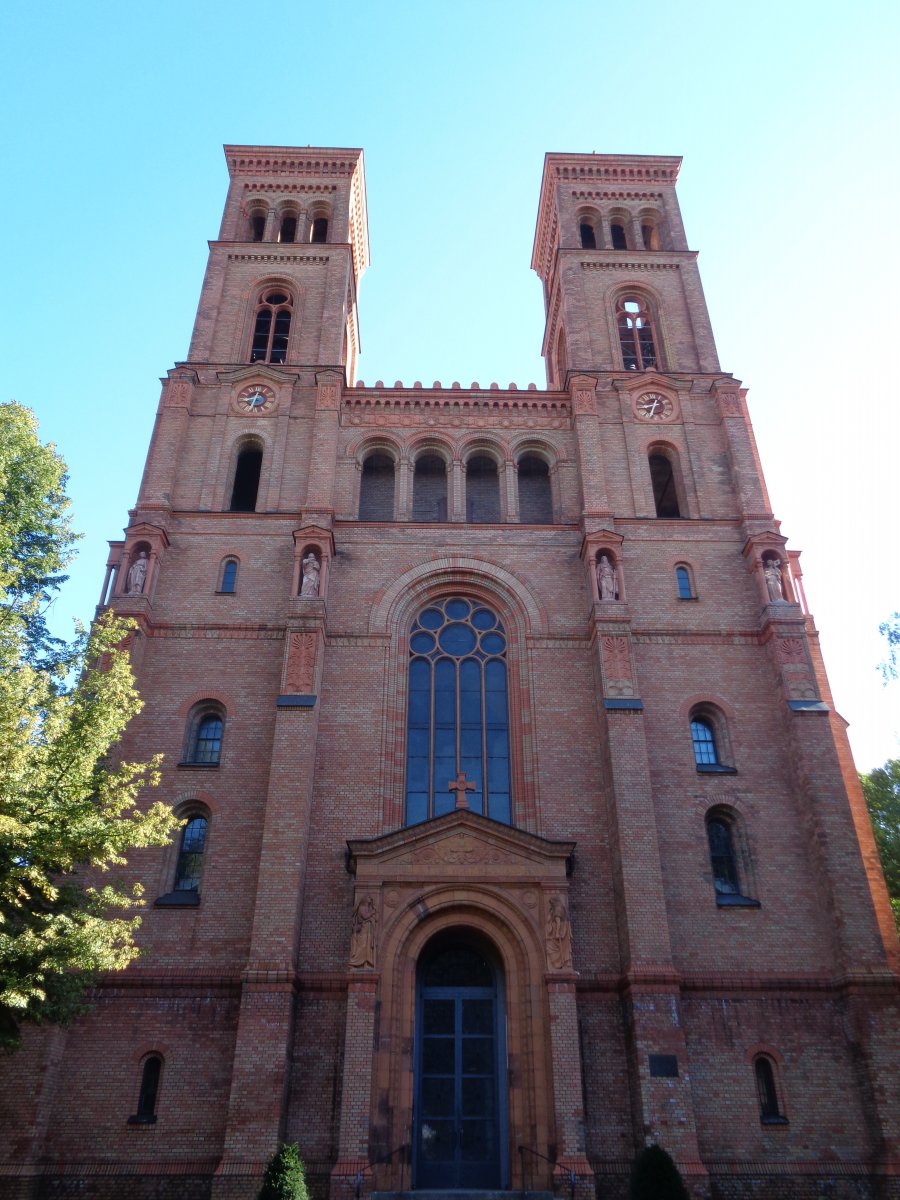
(881, 788)
(66, 814)
(891, 631)
(285, 1177)
(654, 1176)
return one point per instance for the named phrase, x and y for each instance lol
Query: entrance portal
(460, 1099)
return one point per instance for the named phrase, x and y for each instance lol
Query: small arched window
(204, 739)
(636, 338)
(247, 470)
(684, 582)
(272, 327)
(770, 1111)
(288, 230)
(149, 1091)
(257, 224)
(703, 735)
(190, 856)
(430, 488)
(650, 235)
(319, 230)
(376, 489)
(722, 856)
(665, 492)
(588, 234)
(482, 490)
(228, 576)
(535, 494)
(709, 737)
(617, 233)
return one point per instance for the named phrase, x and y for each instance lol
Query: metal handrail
(378, 1162)
(523, 1150)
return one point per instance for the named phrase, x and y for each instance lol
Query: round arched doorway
(460, 1065)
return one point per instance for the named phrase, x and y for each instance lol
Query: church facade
(518, 826)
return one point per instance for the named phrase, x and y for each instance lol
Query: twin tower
(518, 828)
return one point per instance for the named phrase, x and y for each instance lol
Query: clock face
(653, 406)
(255, 400)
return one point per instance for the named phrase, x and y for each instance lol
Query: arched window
(617, 233)
(636, 334)
(709, 736)
(288, 230)
(482, 490)
(247, 471)
(257, 224)
(703, 735)
(662, 477)
(770, 1112)
(684, 582)
(588, 234)
(376, 489)
(204, 737)
(272, 327)
(430, 488)
(190, 856)
(722, 856)
(650, 235)
(228, 577)
(562, 359)
(458, 713)
(149, 1090)
(535, 495)
(319, 230)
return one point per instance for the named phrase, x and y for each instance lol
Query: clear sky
(114, 115)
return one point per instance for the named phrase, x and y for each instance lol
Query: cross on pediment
(461, 785)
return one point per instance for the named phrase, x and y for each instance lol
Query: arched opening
(272, 328)
(636, 339)
(617, 233)
(562, 359)
(247, 471)
(288, 230)
(189, 868)
(459, 1139)
(319, 230)
(147, 1096)
(684, 582)
(257, 225)
(228, 579)
(482, 490)
(767, 1093)
(430, 488)
(587, 234)
(665, 493)
(535, 494)
(376, 489)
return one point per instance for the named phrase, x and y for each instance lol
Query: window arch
(189, 866)
(458, 712)
(664, 479)
(148, 1093)
(228, 573)
(376, 488)
(636, 335)
(318, 224)
(709, 736)
(429, 488)
(272, 326)
(482, 490)
(684, 581)
(256, 222)
(588, 229)
(728, 858)
(535, 493)
(287, 230)
(205, 731)
(247, 471)
(770, 1107)
(618, 225)
(650, 235)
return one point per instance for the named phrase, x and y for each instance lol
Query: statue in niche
(137, 575)
(311, 572)
(774, 582)
(559, 935)
(606, 579)
(362, 934)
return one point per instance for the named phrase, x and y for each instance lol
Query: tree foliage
(66, 815)
(654, 1176)
(881, 788)
(890, 630)
(285, 1177)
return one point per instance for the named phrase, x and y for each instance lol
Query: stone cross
(461, 785)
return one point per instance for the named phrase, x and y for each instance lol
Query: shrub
(654, 1176)
(285, 1178)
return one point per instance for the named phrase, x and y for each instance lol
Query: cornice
(287, 160)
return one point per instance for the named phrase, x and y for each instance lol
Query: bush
(285, 1178)
(654, 1176)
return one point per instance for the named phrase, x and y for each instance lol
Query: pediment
(460, 844)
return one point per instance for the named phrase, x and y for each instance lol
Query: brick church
(518, 826)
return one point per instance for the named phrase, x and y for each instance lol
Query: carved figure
(774, 583)
(137, 574)
(606, 579)
(559, 935)
(311, 572)
(362, 934)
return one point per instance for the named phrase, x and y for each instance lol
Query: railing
(379, 1161)
(559, 1172)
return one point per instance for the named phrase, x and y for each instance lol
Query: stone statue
(559, 936)
(606, 579)
(311, 572)
(774, 582)
(362, 934)
(137, 575)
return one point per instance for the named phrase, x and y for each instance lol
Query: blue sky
(113, 119)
